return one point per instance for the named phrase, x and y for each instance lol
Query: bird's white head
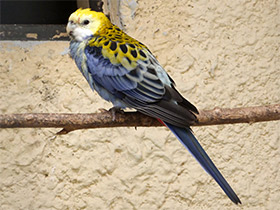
(85, 23)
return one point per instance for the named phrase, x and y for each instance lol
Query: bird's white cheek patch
(81, 34)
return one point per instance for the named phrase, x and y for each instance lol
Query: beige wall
(223, 54)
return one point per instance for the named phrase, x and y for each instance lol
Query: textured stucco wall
(223, 54)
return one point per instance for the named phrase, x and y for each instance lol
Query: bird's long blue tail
(187, 138)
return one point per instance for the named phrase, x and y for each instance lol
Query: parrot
(124, 72)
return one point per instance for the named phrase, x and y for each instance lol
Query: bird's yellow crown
(97, 22)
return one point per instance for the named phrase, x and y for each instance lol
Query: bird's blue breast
(77, 53)
(95, 68)
(75, 49)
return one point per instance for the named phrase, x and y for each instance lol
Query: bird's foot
(102, 110)
(114, 110)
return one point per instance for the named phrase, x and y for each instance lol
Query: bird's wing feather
(147, 87)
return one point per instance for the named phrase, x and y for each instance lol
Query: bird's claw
(102, 110)
(114, 110)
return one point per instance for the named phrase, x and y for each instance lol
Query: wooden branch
(70, 122)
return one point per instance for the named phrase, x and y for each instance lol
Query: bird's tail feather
(187, 138)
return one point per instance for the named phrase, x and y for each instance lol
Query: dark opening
(38, 19)
(36, 11)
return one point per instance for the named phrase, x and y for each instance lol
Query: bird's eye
(85, 22)
(71, 21)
